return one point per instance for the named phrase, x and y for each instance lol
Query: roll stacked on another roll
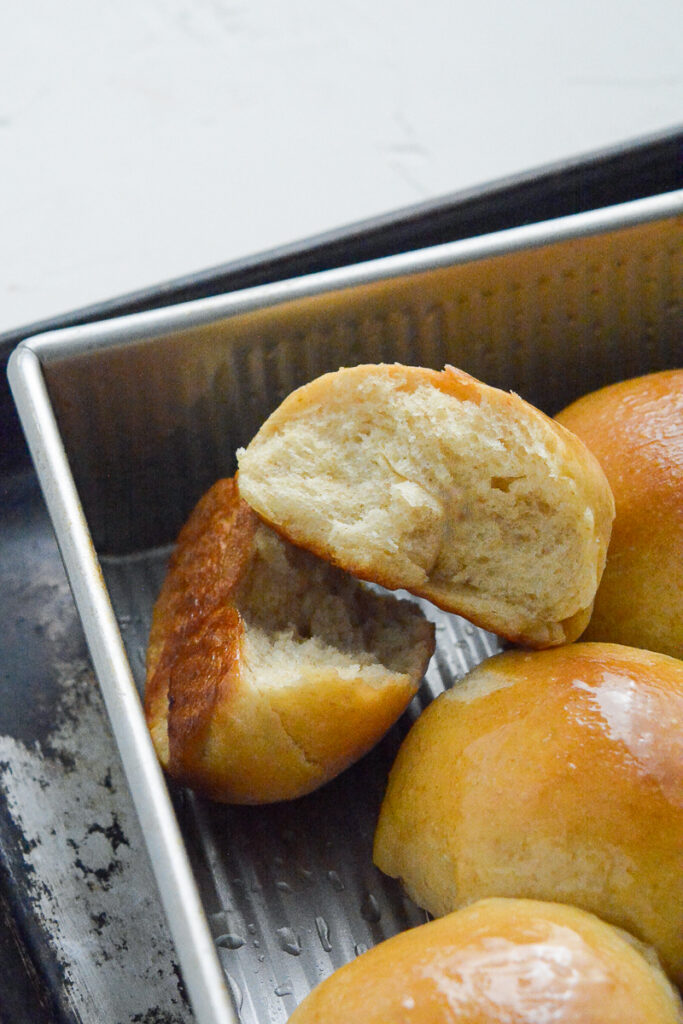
(436, 483)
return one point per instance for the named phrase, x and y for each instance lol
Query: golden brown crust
(635, 429)
(499, 962)
(207, 563)
(217, 725)
(549, 775)
(195, 630)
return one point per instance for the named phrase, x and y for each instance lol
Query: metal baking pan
(130, 420)
(85, 938)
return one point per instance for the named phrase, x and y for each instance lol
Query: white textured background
(143, 139)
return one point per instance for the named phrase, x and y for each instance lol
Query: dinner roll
(436, 483)
(500, 961)
(552, 775)
(269, 671)
(635, 429)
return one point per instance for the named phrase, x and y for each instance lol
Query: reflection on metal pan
(129, 421)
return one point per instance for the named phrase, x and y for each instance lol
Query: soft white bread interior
(500, 961)
(553, 775)
(436, 483)
(269, 671)
(635, 430)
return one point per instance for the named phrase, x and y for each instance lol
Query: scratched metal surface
(71, 853)
(85, 937)
(290, 891)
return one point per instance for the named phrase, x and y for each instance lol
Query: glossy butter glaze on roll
(433, 482)
(500, 961)
(635, 430)
(554, 775)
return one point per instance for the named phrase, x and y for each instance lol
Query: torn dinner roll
(439, 484)
(268, 670)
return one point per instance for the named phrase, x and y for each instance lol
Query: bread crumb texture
(270, 671)
(438, 484)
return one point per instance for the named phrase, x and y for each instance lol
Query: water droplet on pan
(370, 910)
(335, 881)
(323, 933)
(230, 940)
(289, 942)
(285, 989)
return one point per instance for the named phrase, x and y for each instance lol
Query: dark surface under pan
(82, 935)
